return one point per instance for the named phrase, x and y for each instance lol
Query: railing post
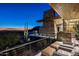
(6, 53)
(30, 47)
(14, 51)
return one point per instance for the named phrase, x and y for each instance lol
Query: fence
(30, 48)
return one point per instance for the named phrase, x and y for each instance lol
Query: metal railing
(45, 35)
(27, 46)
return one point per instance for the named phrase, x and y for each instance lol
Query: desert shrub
(8, 40)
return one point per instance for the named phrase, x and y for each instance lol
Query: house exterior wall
(47, 28)
(66, 35)
(69, 24)
(51, 25)
(66, 25)
(48, 24)
(58, 23)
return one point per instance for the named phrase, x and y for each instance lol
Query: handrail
(42, 36)
(20, 46)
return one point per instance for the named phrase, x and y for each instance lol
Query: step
(67, 45)
(66, 49)
(61, 52)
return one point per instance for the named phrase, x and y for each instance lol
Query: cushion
(56, 46)
(48, 51)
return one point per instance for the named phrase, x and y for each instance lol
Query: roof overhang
(40, 20)
(66, 10)
(57, 17)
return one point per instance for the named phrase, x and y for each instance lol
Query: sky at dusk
(15, 15)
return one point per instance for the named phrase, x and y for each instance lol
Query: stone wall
(65, 37)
